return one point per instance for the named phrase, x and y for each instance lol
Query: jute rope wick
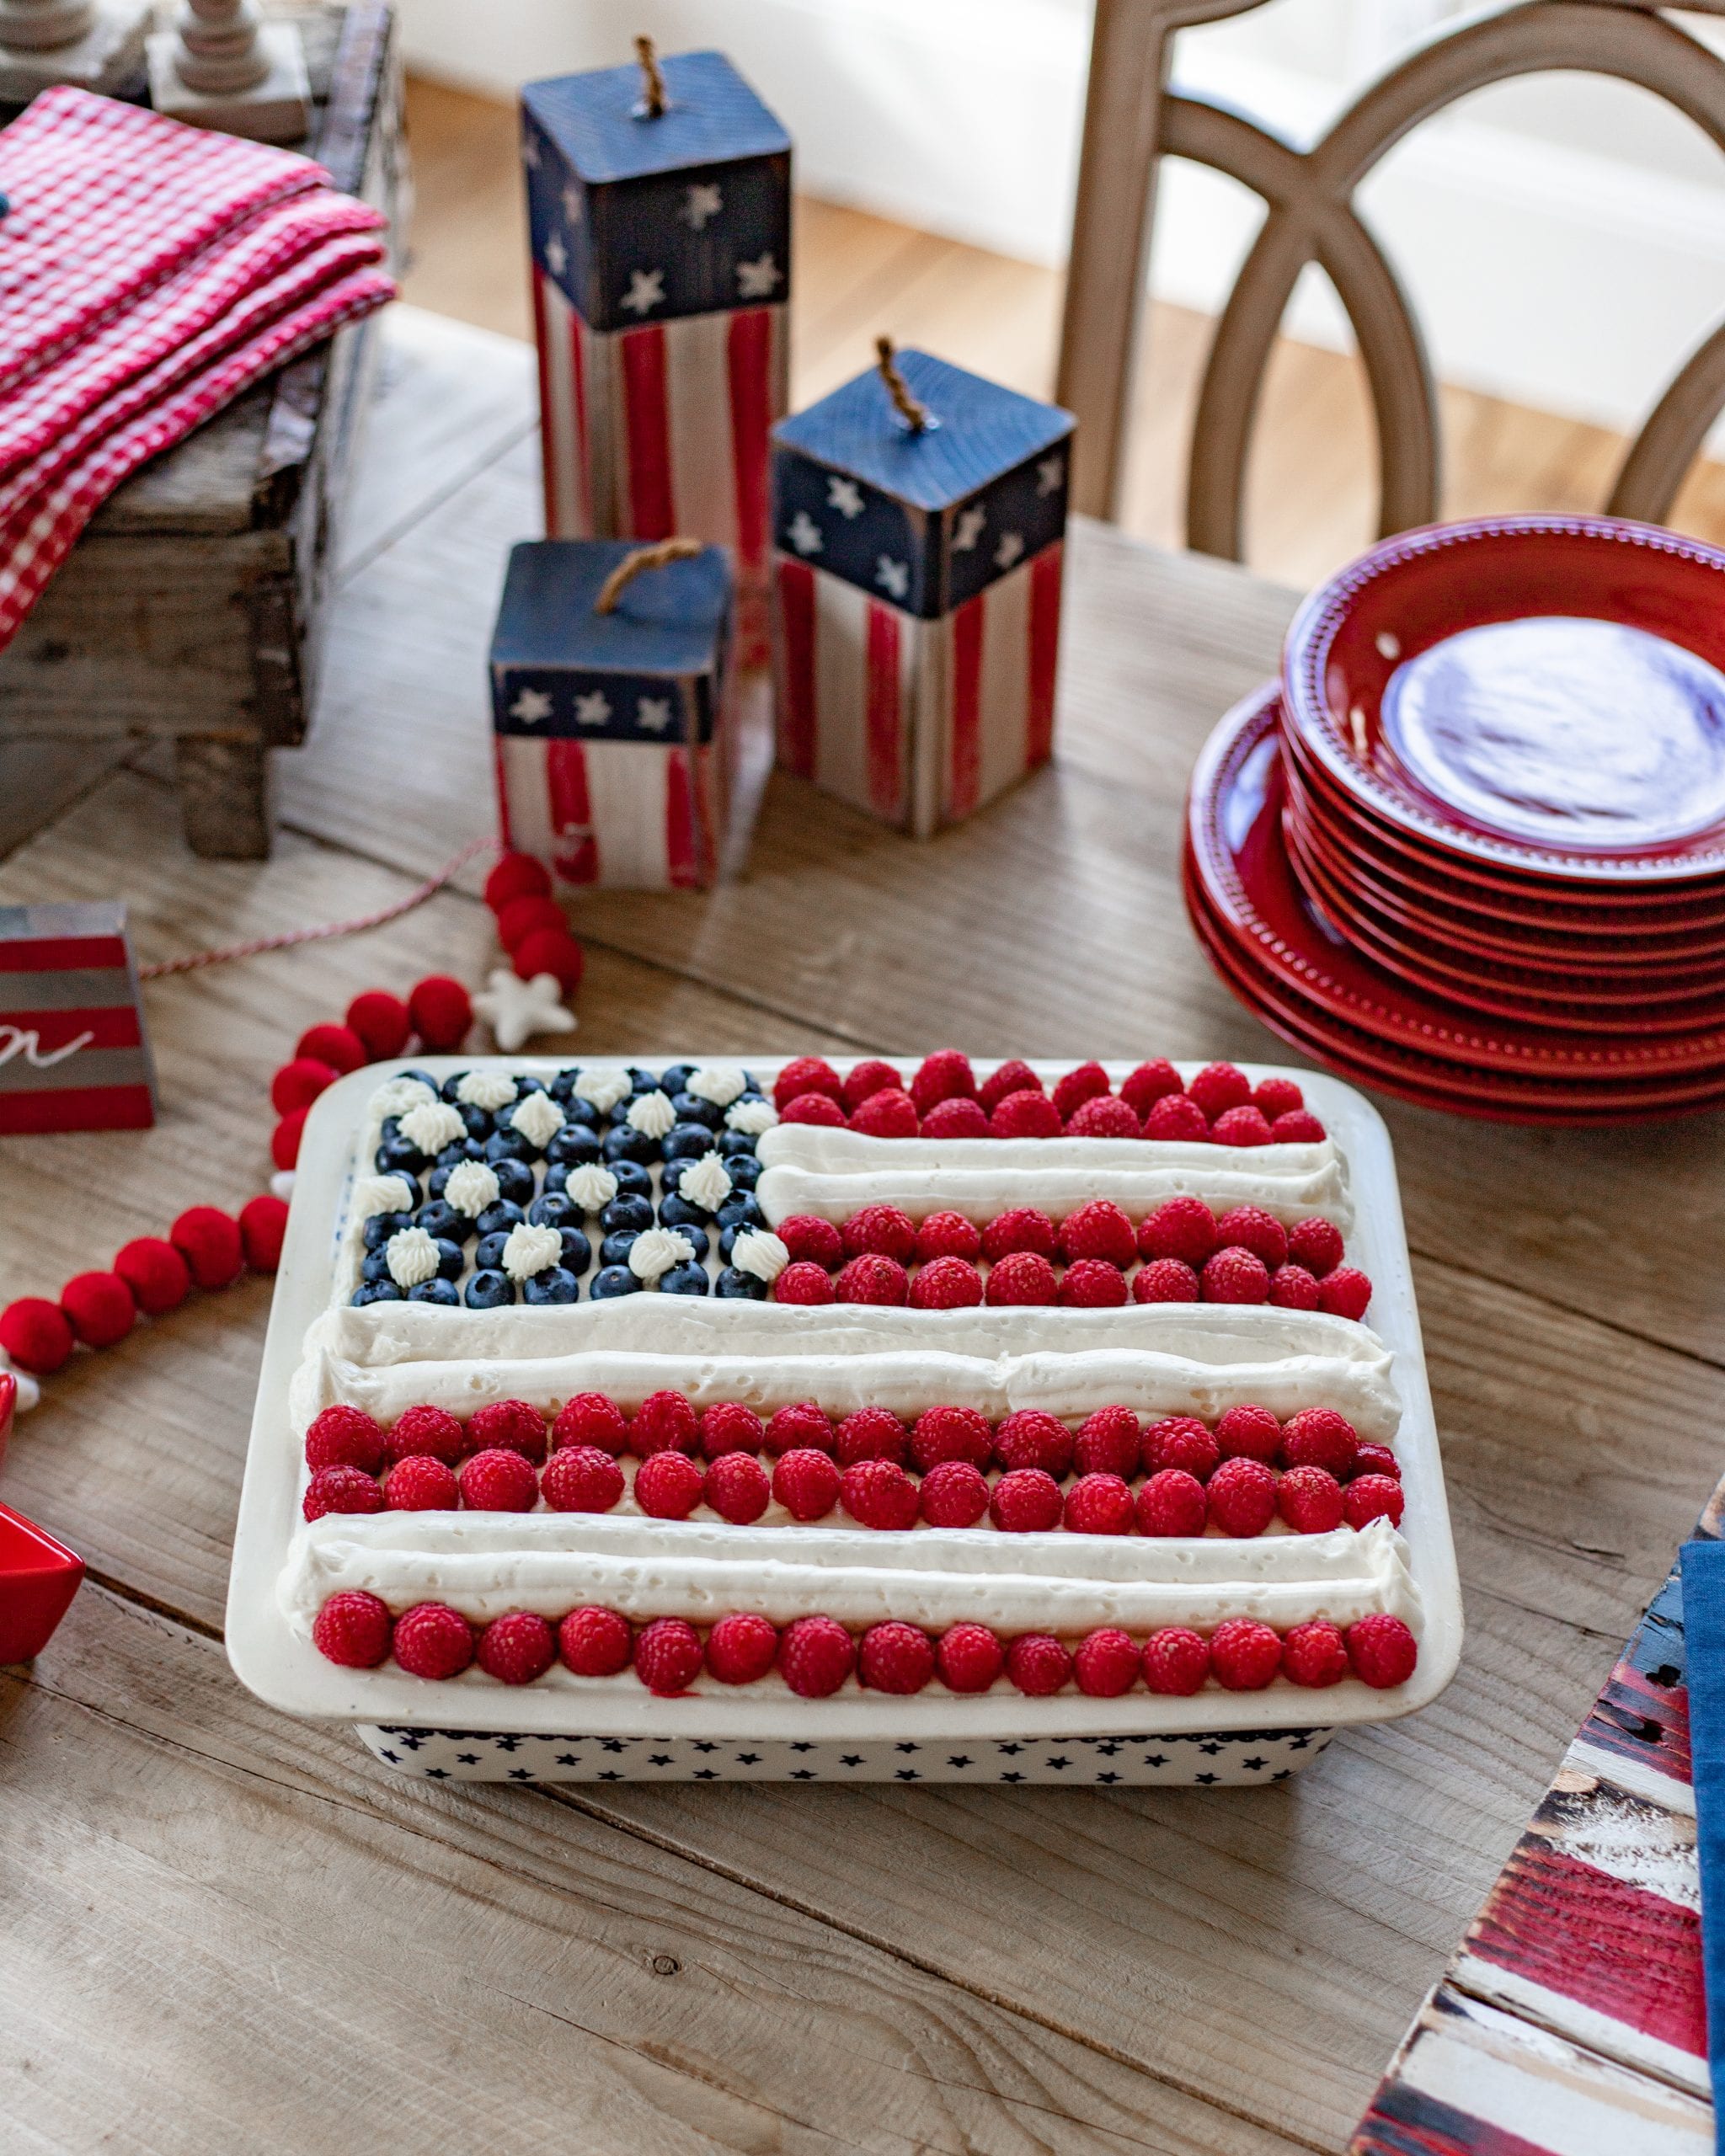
(910, 410)
(652, 79)
(657, 556)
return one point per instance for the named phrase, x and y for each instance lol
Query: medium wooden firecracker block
(917, 592)
(73, 1051)
(615, 737)
(662, 268)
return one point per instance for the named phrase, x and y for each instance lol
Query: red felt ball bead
(520, 918)
(440, 1012)
(516, 875)
(158, 1276)
(338, 1046)
(36, 1334)
(381, 1021)
(210, 1243)
(298, 1084)
(263, 1223)
(99, 1308)
(285, 1140)
(551, 951)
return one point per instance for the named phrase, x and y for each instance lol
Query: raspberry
(1180, 1227)
(863, 1078)
(1241, 1127)
(1031, 1438)
(158, 1276)
(1150, 1083)
(737, 1487)
(947, 1284)
(956, 1118)
(1099, 1504)
(1025, 1501)
(970, 1657)
(381, 1021)
(945, 1075)
(1314, 1655)
(816, 1657)
(801, 1427)
(1318, 1436)
(1025, 1278)
(591, 1419)
(1235, 1276)
(1181, 1441)
(668, 1656)
(668, 1486)
(1104, 1117)
(1109, 1442)
(507, 1425)
(1296, 1127)
(1022, 1228)
(1251, 1228)
(877, 1280)
(1106, 1663)
(806, 1235)
(727, 1426)
(1166, 1280)
(431, 1640)
(1248, 1432)
(814, 1107)
(872, 1433)
(1026, 1115)
(1277, 1097)
(888, 1114)
(498, 1481)
(1171, 1502)
(1088, 1082)
(948, 1234)
(1242, 1495)
(418, 1431)
(1244, 1655)
(805, 1075)
(1292, 1288)
(951, 1433)
(1381, 1651)
(895, 1658)
(1344, 1293)
(1316, 1244)
(876, 1494)
(341, 1490)
(345, 1437)
(1176, 1661)
(1007, 1078)
(1037, 1664)
(581, 1479)
(441, 1012)
(517, 1648)
(1376, 1459)
(352, 1628)
(1371, 1496)
(1175, 1117)
(665, 1422)
(801, 1283)
(1310, 1500)
(99, 1308)
(1098, 1230)
(742, 1648)
(420, 1484)
(1218, 1087)
(953, 1494)
(1092, 1284)
(594, 1642)
(806, 1484)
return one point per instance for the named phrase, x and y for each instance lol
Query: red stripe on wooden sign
(796, 696)
(1642, 1721)
(32, 1035)
(81, 1107)
(1405, 2121)
(647, 425)
(682, 870)
(576, 849)
(750, 360)
(1045, 652)
(885, 721)
(61, 954)
(965, 781)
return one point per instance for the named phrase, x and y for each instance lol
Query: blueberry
(489, 1254)
(615, 1280)
(399, 1155)
(632, 1179)
(524, 1086)
(489, 1290)
(741, 1210)
(641, 1081)
(553, 1285)
(498, 1219)
(376, 1267)
(556, 1179)
(461, 1149)
(692, 1108)
(478, 1120)
(451, 1259)
(688, 1141)
(376, 1291)
(450, 1088)
(735, 1145)
(695, 1238)
(425, 1078)
(573, 1145)
(674, 1212)
(507, 1145)
(435, 1291)
(514, 1181)
(444, 1222)
(636, 1213)
(678, 1076)
(577, 1109)
(562, 1086)
(615, 1249)
(577, 1251)
(382, 1225)
(734, 1286)
(685, 1280)
(554, 1210)
(745, 1171)
(623, 1142)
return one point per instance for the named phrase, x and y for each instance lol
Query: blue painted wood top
(712, 117)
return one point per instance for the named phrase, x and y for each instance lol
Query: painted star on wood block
(653, 713)
(893, 577)
(969, 530)
(756, 280)
(556, 256)
(646, 291)
(531, 707)
(844, 495)
(805, 533)
(518, 1011)
(593, 710)
(701, 203)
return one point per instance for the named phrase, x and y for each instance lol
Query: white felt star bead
(281, 1183)
(29, 1391)
(518, 1011)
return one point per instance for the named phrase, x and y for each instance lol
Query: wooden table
(225, 1931)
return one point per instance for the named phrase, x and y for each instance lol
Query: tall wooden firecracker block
(662, 247)
(615, 737)
(73, 1056)
(918, 534)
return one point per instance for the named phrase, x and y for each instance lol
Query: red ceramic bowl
(38, 1578)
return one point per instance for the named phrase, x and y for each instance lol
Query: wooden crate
(190, 609)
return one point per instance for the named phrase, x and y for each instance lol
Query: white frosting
(529, 1249)
(374, 1194)
(651, 1112)
(432, 1125)
(751, 1117)
(411, 1256)
(397, 1095)
(654, 1251)
(706, 1182)
(471, 1187)
(759, 1252)
(538, 1118)
(604, 1087)
(489, 1090)
(591, 1187)
(718, 1082)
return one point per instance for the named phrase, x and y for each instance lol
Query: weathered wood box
(190, 610)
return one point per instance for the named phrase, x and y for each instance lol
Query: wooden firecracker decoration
(96, 44)
(658, 199)
(73, 1055)
(615, 738)
(221, 67)
(919, 517)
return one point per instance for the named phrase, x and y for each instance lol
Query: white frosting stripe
(982, 1192)
(830, 1151)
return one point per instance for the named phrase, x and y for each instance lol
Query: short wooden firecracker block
(615, 738)
(661, 267)
(73, 1051)
(917, 592)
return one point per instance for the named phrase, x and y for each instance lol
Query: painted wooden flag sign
(73, 1051)
(614, 735)
(917, 590)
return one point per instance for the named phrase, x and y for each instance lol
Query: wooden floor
(1312, 496)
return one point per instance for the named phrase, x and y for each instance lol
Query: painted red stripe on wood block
(1045, 654)
(682, 870)
(61, 954)
(576, 849)
(750, 355)
(1638, 1719)
(796, 641)
(646, 426)
(885, 725)
(113, 1025)
(86, 1107)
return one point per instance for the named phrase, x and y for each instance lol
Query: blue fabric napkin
(1704, 1667)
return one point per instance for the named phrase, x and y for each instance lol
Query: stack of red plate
(1471, 848)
